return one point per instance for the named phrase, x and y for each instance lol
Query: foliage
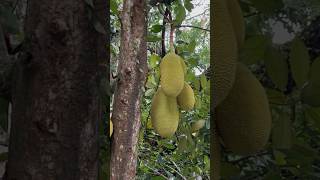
(284, 66)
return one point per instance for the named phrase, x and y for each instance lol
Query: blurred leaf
(203, 80)
(153, 38)
(8, 20)
(277, 67)
(267, 6)
(253, 49)
(154, 60)
(156, 28)
(98, 27)
(299, 61)
(180, 13)
(114, 7)
(279, 157)
(313, 115)
(276, 97)
(281, 132)
(188, 5)
(90, 3)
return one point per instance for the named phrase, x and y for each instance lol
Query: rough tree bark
(56, 99)
(132, 72)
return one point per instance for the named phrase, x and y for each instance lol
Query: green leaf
(281, 132)
(153, 38)
(192, 46)
(149, 92)
(154, 60)
(253, 49)
(280, 158)
(156, 28)
(313, 115)
(311, 93)
(203, 80)
(158, 178)
(267, 6)
(276, 97)
(180, 13)
(188, 5)
(277, 68)
(114, 7)
(299, 61)
(3, 156)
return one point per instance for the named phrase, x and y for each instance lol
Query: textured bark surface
(132, 72)
(56, 102)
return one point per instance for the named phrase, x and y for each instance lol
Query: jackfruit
(216, 154)
(111, 128)
(224, 53)
(243, 119)
(172, 74)
(197, 125)
(186, 98)
(237, 19)
(164, 114)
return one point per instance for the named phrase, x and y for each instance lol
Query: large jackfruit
(186, 98)
(172, 74)
(164, 114)
(224, 53)
(237, 19)
(244, 118)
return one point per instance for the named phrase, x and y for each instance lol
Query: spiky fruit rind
(237, 19)
(172, 75)
(224, 53)
(196, 126)
(186, 98)
(164, 114)
(243, 118)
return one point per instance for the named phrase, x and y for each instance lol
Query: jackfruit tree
(267, 122)
(175, 134)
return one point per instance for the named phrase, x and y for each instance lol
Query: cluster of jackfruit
(173, 93)
(241, 110)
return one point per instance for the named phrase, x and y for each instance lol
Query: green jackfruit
(237, 19)
(164, 114)
(172, 75)
(224, 53)
(196, 126)
(186, 98)
(243, 118)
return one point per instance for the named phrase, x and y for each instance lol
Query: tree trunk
(132, 71)
(56, 99)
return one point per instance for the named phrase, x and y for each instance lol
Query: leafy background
(282, 50)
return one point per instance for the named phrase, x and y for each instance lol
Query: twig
(190, 26)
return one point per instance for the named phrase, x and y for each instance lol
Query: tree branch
(190, 26)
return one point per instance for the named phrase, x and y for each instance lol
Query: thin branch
(190, 26)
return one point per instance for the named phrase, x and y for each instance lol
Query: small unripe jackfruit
(243, 119)
(237, 19)
(224, 53)
(197, 125)
(172, 75)
(186, 98)
(164, 114)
